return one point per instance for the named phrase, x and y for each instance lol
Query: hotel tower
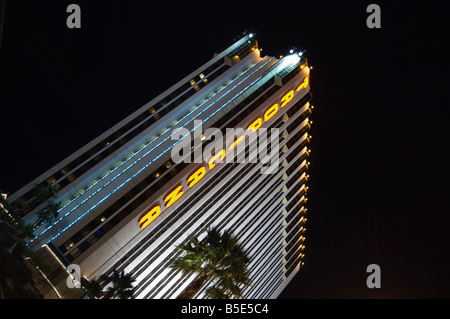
(125, 203)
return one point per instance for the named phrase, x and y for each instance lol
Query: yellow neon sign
(212, 163)
(303, 84)
(255, 125)
(287, 98)
(195, 177)
(271, 111)
(173, 196)
(236, 142)
(150, 216)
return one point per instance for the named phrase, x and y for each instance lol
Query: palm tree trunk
(191, 289)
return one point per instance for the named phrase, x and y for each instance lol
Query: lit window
(70, 245)
(156, 175)
(192, 82)
(205, 81)
(201, 75)
(102, 219)
(71, 177)
(152, 110)
(169, 164)
(66, 202)
(92, 182)
(196, 88)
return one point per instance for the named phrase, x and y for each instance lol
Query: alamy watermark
(374, 279)
(374, 19)
(74, 278)
(73, 21)
(237, 146)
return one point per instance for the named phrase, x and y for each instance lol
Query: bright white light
(300, 53)
(251, 35)
(290, 59)
(292, 51)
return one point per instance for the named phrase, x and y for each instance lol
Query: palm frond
(218, 256)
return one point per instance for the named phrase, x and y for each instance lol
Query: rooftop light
(290, 59)
(251, 35)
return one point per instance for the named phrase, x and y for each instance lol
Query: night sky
(378, 192)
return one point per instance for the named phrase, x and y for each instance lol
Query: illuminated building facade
(125, 204)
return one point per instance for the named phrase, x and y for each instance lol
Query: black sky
(380, 151)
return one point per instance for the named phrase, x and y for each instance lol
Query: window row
(109, 148)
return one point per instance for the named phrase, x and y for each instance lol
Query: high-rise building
(125, 203)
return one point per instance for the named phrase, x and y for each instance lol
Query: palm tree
(45, 190)
(53, 191)
(25, 230)
(7, 211)
(93, 288)
(41, 192)
(219, 258)
(48, 214)
(52, 210)
(122, 285)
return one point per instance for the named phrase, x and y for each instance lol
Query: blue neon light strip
(107, 196)
(135, 174)
(103, 177)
